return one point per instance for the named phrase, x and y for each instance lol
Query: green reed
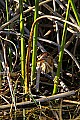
(56, 79)
(22, 41)
(75, 11)
(34, 54)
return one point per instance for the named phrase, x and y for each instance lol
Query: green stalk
(56, 79)
(7, 12)
(22, 48)
(35, 41)
(75, 11)
(22, 42)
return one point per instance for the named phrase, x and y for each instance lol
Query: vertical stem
(75, 11)
(35, 41)
(7, 12)
(56, 79)
(22, 48)
(22, 41)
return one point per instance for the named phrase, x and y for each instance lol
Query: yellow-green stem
(22, 42)
(7, 12)
(22, 48)
(35, 41)
(56, 79)
(75, 11)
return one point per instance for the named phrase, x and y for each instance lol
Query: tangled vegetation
(40, 59)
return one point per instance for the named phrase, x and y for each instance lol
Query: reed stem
(75, 11)
(22, 42)
(56, 79)
(35, 42)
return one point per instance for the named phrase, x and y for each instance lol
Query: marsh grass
(35, 35)
(48, 27)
